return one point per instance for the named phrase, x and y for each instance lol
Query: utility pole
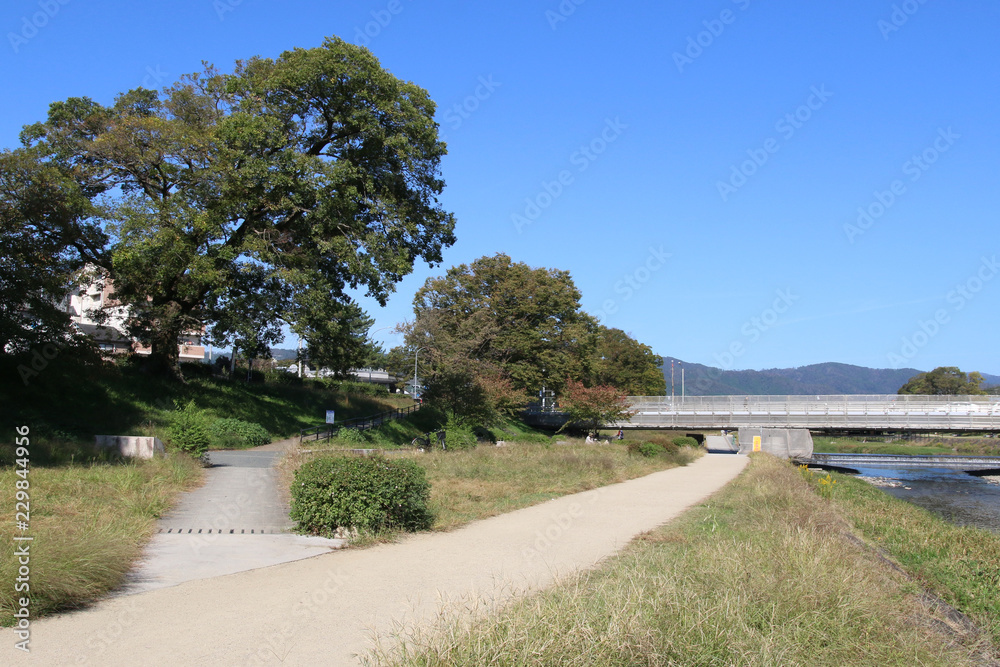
(416, 353)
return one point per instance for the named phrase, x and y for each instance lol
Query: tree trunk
(164, 357)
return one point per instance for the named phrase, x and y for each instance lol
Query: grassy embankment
(928, 445)
(779, 568)
(91, 514)
(531, 467)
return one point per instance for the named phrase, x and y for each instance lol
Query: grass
(961, 565)
(930, 445)
(473, 484)
(89, 524)
(486, 481)
(112, 400)
(767, 572)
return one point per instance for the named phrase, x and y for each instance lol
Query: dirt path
(327, 609)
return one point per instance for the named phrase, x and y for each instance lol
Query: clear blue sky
(715, 155)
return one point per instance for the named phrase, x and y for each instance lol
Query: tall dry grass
(765, 573)
(89, 524)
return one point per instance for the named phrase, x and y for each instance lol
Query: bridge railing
(844, 411)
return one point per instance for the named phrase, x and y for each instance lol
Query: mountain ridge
(820, 379)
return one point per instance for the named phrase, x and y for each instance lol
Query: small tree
(593, 407)
(944, 380)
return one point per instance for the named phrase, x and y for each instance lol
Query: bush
(189, 430)
(372, 494)
(685, 441)
(237, 434)
(534, 438)
(458, 435)
(647, 449)
(353, 436)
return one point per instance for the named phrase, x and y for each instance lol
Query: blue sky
(739, 183)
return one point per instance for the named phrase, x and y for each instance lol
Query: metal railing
(327, 431)
(966, 413)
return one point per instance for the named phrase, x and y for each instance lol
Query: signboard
(756, 443)
(329, 416)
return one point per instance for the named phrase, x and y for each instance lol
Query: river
(961, 498)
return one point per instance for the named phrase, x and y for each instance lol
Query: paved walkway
(326, 610)
(236, 521)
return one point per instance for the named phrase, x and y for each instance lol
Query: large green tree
(528, 320)
(297, 179)
(944, 380)
(504, 326)
(627, 364)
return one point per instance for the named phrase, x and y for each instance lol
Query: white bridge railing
(891, 412)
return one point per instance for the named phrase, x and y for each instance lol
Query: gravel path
(326, 610)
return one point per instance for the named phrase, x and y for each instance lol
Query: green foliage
(459, 435)
(372, 494)
(351, 387)
(534, 438)
(594, 407)
(685, 441)
(189, 430)
(646, 449)
(243, 200)
(627, 364)
(237, 434)
(944, 380)
(354, 437)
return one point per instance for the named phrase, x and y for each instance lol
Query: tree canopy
(242, 199)
(502, 329)
(944, 380)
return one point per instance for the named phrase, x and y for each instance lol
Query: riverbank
(781, 567)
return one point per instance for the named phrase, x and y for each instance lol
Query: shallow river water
(959, 497)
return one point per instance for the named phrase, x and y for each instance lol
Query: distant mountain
(828, 378)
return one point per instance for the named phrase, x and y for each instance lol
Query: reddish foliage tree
(593, 407)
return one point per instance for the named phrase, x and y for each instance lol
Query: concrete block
(133, 446)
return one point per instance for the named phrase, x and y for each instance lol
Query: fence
(327, 431)
(963, 413)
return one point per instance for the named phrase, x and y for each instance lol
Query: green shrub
(534, 438)
(685, 441)
(237, 434)
(372, 494)
(353, 436)
(647, 449)
(188, 430)
(458, 435)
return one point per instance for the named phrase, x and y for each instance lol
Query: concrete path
(236, 521)
(326, 610)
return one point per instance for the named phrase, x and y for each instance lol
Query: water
(956, 496)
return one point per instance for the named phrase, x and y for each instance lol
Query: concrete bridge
(889, 412)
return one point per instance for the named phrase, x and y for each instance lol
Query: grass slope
(767, 572)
